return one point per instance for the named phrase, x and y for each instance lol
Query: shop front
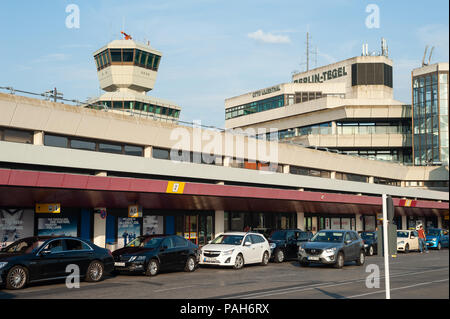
(314, 222)
(261, 222)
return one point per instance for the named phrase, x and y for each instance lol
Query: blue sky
(208, 51)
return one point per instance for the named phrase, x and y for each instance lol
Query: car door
(291, 243)
(77, 253)
(414, 239)
(349, 252)
(181, 251)
(248, 251)
(49, 259)
(356, 243)
(259, 245)
(167, 254)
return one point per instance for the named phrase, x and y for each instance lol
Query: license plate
(119, 264)
(209, 260)
(313, 258)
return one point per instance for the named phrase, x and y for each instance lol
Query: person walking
(422, 240)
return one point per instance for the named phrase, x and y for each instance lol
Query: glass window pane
(128, 55)
(57, 141)
(134, 150)
(110, 148)
(82, 145)
(18, 136)
(116, 55)
(117, 105)
(160, 153)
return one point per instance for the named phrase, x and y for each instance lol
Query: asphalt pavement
(413, 276)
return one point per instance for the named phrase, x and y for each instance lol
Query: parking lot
(413, 275)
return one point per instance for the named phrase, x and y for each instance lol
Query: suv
(236, 249)
(333, 247)
(284, 243)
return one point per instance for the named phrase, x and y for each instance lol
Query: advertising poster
(15, 224)
(128, 228)
(58, 226)
(153, 225)
(369, 223)
(345, 223)
(335, 223)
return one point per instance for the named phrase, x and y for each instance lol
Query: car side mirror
(412, 237)
(163, 248)
(247, 243)
(348, 241)
(209, 242)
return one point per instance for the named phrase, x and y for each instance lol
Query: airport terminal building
(109, 173)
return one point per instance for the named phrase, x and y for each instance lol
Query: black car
(151, 253)
(370, 242)
(284, 243)
(41, 258)
(333, 247)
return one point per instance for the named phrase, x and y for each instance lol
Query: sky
(212, 50)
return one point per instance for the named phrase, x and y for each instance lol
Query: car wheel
(407, 248)
(95, 271)
(279, 256)
(17, 277)
(439, 246)
(239, 262)
(371, 251)
(339, 261)
(152, 268)
(265, 259)
(362, 258)
(190, 264)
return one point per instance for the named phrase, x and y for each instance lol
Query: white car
(236, 249)
(407, 240)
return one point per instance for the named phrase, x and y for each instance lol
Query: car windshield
(146, 242)
(228, 240)
(335, 237)
(23, 246)
(434, 232)
(403, 234)
(368, 236)
(278, 235)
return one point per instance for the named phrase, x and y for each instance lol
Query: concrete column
(38, 138)
(371, 179)
(301, 221)
(404, 224)
(358, 220)
(148, 151)
(402, 184)
(226, 161)
(301, 189)
(333, 128)
(315, 228)
(333, 175)
(286, 169)
(99, 231)
(220, 183)
(439, 220)
(219, 224)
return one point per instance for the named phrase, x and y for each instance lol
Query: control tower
(127, 70)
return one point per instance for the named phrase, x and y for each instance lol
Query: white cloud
(269, 37)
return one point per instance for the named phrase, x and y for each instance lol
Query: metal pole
(386, 248)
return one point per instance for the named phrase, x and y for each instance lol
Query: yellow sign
(48, 208)
(134, 211)
(175, 187)
(446, 217)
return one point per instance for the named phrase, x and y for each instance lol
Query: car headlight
(330, 251)
(137, 258)
(3, 264)
(301, 249)
(228, 252)
(273, 245)
(434, 239)
(401, 242)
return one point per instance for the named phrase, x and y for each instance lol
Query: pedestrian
(422, 240)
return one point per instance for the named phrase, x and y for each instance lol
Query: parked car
(41, 258)
(370, 242)
(150, 254)
(437, 238)
(236, 249)
(407, 240)
(284, 243)
(333, 247)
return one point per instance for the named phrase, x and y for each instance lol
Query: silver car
(333, 247)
